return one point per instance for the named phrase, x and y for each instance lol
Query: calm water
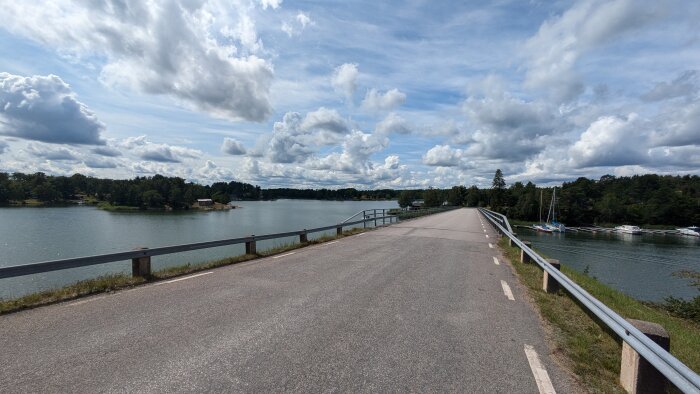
(30, 235)
(639, 265)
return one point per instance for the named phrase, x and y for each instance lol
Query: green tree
(406, 197)
(498, 187)
(152, 198)
(431, 198)
(457, 195)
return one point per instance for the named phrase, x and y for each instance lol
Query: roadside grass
(108, 283)
(592, 352)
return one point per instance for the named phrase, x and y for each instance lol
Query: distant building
(205, 202)
(416, 204)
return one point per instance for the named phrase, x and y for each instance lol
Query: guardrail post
(250, 247)
(375, 218)
(524, 257)
(339, 230)
(511, 242)
(383, 217)
(549, 284)
(303, 238)
(636, 374)
(141, 266)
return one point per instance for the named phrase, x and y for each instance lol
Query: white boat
(553, 225)
(693, 231)
(627, 229)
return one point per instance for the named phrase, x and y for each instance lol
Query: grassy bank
(109, 283)
(590, 351)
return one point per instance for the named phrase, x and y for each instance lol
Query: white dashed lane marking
(491, 246)
(283, 255)
(506, 290)
(544, 385)
(495, 261)
(181, 279)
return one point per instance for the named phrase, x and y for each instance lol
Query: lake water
(29, 235)
(639, 265)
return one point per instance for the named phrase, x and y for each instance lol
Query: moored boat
(693, 231)
(627, 229)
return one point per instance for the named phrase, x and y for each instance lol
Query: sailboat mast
(541, 192)
(554, 205)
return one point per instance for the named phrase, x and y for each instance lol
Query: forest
(640, 199)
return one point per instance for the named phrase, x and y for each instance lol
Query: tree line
(144, 192)
(640, 199)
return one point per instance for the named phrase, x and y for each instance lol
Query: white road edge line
(491, 245)
(86, 301)
(495, 261)
(506, 290)
(328, 243)
(185, 278)
(487, 235)
(283, 255)
(484, 230)
(541, 376)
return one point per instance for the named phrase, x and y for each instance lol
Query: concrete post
(339, 230)
(512, 243)
(141, 266)
(549, 284)
(636, 374)
(524, 257)
(250, 247)
(303, 237)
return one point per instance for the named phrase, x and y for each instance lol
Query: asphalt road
(417, 306)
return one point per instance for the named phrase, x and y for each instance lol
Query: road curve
(417, 306)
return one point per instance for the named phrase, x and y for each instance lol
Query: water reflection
(639, 265)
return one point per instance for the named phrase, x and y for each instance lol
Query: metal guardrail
(369, 216)
(55, 265)
(675, 371)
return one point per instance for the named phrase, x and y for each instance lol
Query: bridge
(422, 305)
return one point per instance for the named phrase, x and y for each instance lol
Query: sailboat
(541, 227)
(553, 224)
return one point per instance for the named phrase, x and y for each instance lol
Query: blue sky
(359, 94)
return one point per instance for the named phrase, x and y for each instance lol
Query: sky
(364, 94)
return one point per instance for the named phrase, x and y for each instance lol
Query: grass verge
(592, 352)
(109, 283)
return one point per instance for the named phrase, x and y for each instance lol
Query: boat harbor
(598, 229)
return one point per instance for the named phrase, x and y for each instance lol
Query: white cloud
(686, 85)
(274, 4)
(47, 152)
(678, 126)
(232, 147)
(508, 127)
(376, 101)
(325, 119)
(44, 108)
(183, 49)
(3, 147)
(553, 52)
(164, 153)
(304, 20)
(100, 162)
(344, 80)
(611, 141)
(443, 156)
(393, 123)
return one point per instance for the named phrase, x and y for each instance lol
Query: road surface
(417, 306)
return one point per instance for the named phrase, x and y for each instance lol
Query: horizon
(297, 94)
